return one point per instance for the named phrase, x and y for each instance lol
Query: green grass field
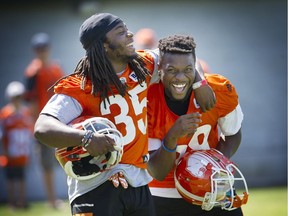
(262, 202)
(266, 202)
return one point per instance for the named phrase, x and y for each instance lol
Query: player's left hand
(205, 97)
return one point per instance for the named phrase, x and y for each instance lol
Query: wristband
(199, 84)
(167, 149)
(87, 138)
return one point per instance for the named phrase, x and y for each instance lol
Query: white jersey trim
(63, 107)
(135, 176)
(153, 144)
(231, 123)
(165, 192)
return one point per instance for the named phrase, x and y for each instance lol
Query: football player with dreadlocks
(111, 82)
(172, 112)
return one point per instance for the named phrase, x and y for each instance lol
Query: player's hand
(185, 125)
(117, 179)
(100, 144)
(205, 97)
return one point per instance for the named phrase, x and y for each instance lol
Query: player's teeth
(179, 85)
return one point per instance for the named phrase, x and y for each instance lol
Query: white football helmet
(209, 179)
(78, 163)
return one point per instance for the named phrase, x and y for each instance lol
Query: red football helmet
(77, 162)
(208, 178)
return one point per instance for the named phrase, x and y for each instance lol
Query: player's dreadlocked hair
(177, 44)
(97, 67)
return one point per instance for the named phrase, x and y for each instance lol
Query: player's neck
(119, 66)
(178, 107)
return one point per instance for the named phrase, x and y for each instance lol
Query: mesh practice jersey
(16, 134)
(161, 119)
(128, 113)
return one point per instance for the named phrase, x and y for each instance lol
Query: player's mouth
(180, 87)
(130, 47)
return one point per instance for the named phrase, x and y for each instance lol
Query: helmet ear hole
(84, 168)
(69, 148)
(207, 178)
(78, 163)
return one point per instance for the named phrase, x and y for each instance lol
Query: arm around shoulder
(204, 94)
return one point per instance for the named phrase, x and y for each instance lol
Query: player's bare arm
(228, 145)
(52, 132)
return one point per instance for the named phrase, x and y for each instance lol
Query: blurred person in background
(172, 109)
(204, 65)
(40, 75)
(16, 130)
(145, 38)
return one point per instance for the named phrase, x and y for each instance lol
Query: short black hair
(177, 44)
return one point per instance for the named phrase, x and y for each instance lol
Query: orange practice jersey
(161, 119)
(17, 134)
(44, 77)
(128, 113)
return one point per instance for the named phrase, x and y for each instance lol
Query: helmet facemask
(223, 189)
